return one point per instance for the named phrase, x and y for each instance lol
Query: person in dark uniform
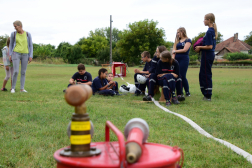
(140, 88)
(207, 56)
(180, 52)
(101, 86)
(153, 76)
(80, 77)
(167, 72)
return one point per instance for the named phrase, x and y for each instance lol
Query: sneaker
(140, 94)
(188, 94)
(175, 101)
(23, 91)
(147, 98)
(206, 99)
(168, 103)
(12, 90)
(3, 89)
(181, 98)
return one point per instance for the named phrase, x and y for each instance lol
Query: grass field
(33, 125)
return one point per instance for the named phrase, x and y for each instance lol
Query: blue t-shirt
(209, 38)
(153, 66)
(98, 83)
(165, 67)
(86, 77)
(147, 66)
(181, 46)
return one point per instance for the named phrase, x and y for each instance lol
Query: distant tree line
(127, 45)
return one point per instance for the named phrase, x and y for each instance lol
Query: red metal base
(154, 155)
(113, 155)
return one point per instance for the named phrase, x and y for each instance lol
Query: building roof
(232, 50)
(229, 43)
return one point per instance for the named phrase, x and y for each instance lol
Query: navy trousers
(107, 92)
(152, 82)
(179, 85)
(168, 82)
(183, 67)
(205, 74)
(140, 87)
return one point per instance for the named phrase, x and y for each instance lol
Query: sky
(56, 21)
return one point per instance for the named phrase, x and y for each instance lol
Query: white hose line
(236, 149)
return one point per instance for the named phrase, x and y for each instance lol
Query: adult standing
(180, 52)
(21, 49)
(207, 56)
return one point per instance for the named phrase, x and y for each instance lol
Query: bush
(236, 56)
(194, 57)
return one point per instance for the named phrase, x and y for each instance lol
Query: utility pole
(110, 61)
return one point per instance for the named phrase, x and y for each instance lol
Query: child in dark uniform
(140, 88)
(207, 56)
(101, 85)
(110, 78)
(167, 72)
(81, 77)
(153, 75)
(180, 52)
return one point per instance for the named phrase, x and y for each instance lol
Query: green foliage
(3, 40)
(92, 44)
(63, 50)
(248, 39)
(140, 36)
(236, 56)
(194, 57)
(43, 51)
(168, 45)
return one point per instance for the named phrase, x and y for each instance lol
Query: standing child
(167, 72)
(207, 56)
(101, 85)
(180, 52)
(81, 77)
(7, 65)
(110, 78)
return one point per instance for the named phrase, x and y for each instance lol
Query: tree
(63, 50)
(92, 44)
(43, 51)
(248, 39)
(140, 36)
(3, 40)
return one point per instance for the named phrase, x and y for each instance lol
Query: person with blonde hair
(207, 56)
(7, 65)
(180, 52)
(21, 49)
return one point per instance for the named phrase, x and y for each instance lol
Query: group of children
(169, 70)
(103, 84)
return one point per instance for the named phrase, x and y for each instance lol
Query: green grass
(33, 125)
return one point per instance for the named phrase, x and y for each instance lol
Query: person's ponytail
(215, 30)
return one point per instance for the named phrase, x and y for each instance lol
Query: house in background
(231, 45)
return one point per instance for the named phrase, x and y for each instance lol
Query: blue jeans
(16, 58)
